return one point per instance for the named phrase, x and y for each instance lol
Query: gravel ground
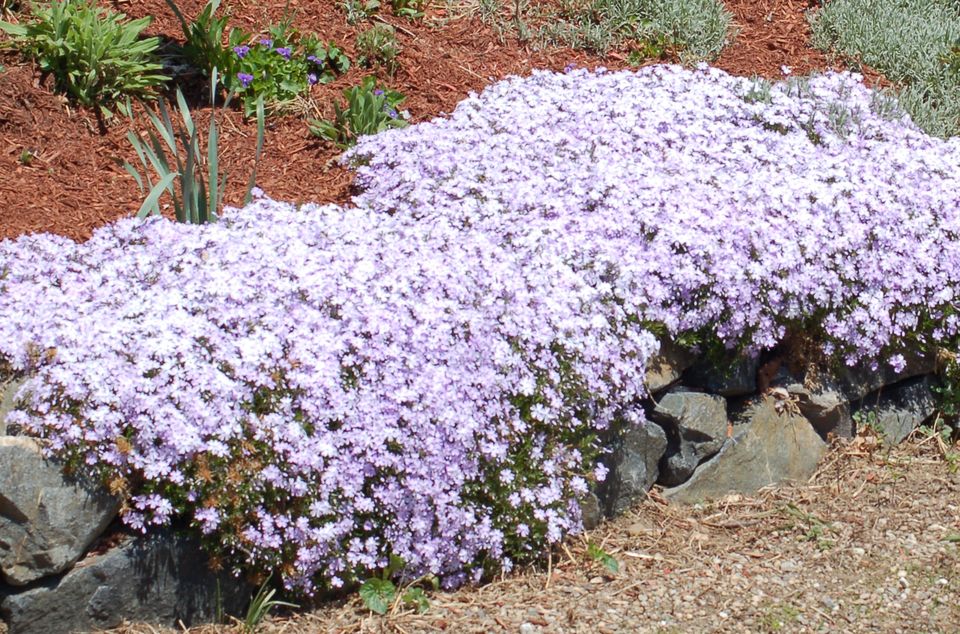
(870, 544)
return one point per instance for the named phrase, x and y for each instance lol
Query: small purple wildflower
(312, 78)
(284, 52)
(241, 51)
(245, 78)
(266, 42)
(314, 59)
(378, 92)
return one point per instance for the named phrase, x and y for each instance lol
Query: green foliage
(204, 49)
(412, 9)
(368, 110)
(95, 55)
(416, 599)
(378, 45)
(261, 605)
(359, 10)
(201, 186)
(602, 557)
(696, 29)
(378, 594)
(278, 67)
(912, 42)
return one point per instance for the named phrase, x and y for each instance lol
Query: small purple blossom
(241, 51)
(312, 78)
(266, 41)
(245, 79)
(284, 52)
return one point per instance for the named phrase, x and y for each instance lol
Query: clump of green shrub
(95, 56)
(378, 46)
(278, 67)
(368, 110)
(912, 42)
(696, 29)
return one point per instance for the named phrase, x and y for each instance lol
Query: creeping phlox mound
(424, 376)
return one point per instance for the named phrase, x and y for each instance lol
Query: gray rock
(825, 405)
(665, 368)
(590, 510)
(46, 520)
(859, 380)
(899, 409)
(772, 447)
(696, 428)
(637, 450)
(8, 390)
(736, 376)
(160, 579)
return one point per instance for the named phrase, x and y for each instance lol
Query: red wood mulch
(73, 183)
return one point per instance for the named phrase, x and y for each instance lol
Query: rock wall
(59, 576)
(712, 429)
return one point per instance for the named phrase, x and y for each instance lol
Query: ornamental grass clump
(422, 379)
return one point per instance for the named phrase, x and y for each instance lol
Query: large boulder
(162, 579)
(696, 428)
(633, 466)
(774, 445)
(899, 409)
(47, 520)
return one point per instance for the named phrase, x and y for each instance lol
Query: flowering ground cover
(317, 389)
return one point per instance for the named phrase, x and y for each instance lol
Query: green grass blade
(154, 196)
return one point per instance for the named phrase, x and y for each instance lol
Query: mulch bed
(74, 182)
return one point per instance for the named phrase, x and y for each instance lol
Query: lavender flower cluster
(424, 375)
(705, 202)
(319, 389)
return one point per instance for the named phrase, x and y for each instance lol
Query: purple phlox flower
(392, 113)
(266, 42)
(311, 78)
(314, 59)
(284, 52)
(241, 51)
(245, 78)
(378, 92)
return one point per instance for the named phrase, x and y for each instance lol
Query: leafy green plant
(368, 110)
(695, 29)
(261, 605)
(379, 594)
(378, 45)
(204, 49)
(911, 42)
(95, 55)
(412, 9)
(201, 186)
(359, 10)
(602, 557)
(280, 67)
